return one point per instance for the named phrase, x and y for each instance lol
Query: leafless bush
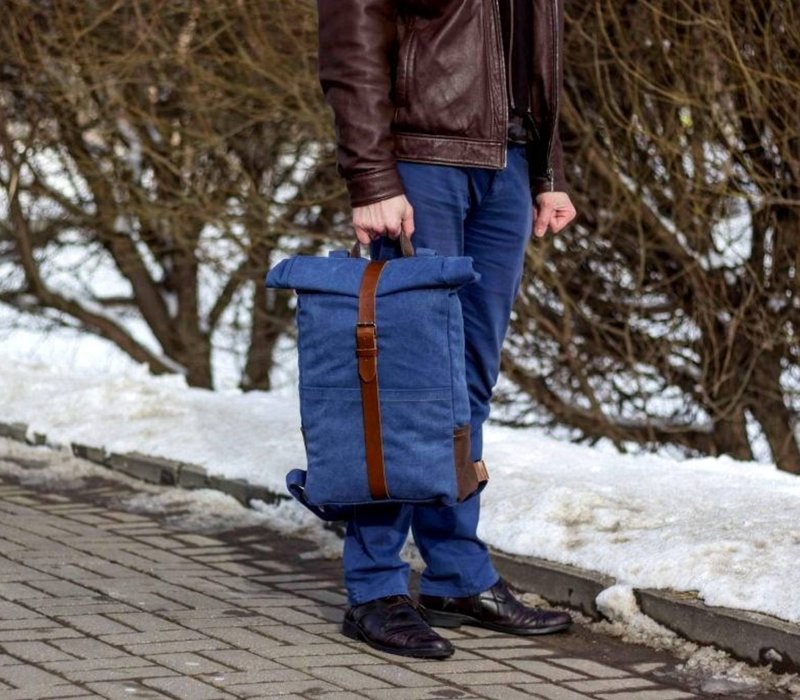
(153, 155)
(670, 313)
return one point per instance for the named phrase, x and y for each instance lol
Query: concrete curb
(558, 584)
(154, 470)
(748, 636)
(752, 637)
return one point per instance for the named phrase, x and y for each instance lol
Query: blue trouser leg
(485, 214)
(372, 564)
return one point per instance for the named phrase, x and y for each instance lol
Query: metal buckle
(361, 347)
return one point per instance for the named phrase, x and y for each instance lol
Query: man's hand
(553, 209)
(386, 217)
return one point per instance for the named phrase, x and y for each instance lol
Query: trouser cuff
(364, 593)
(488, 578)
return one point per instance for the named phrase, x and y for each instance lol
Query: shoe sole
(351, 630)
(452, 620)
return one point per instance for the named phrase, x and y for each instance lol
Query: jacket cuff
(542, 184)
(367, 188)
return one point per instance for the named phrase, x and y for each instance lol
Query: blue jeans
(485, 214)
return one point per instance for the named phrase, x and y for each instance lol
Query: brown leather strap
(481, 471)
(367, 354)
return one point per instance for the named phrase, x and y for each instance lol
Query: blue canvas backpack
(384, 409)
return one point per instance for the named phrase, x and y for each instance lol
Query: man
(446, 116)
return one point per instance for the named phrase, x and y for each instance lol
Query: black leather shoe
(494, 609)
(393, 624)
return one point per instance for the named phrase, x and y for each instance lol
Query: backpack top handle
(406, 246)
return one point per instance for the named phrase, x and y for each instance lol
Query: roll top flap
(342, 275)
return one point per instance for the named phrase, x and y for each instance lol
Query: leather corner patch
(467, 480)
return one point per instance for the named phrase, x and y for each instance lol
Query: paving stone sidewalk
(97, 602)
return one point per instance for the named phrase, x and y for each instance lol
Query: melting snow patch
(709, 670)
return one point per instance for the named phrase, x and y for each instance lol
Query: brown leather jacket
(425, 80)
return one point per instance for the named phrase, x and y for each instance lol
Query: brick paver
(97, 602)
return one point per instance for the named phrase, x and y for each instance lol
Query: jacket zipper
(510, 63)
(498, 34)
(556, 59)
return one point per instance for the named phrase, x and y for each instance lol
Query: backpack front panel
(415, 393)
(326, 340)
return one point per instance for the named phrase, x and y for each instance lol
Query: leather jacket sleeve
(356, 40)
(548, 50)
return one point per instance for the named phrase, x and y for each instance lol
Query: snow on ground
(250, 435)
(726, 530)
